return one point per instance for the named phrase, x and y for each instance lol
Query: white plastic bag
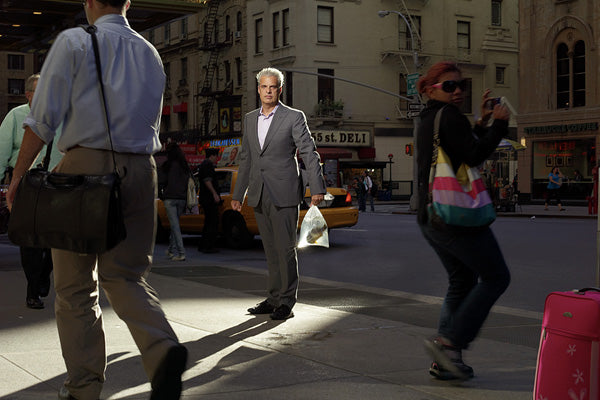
(313, 231)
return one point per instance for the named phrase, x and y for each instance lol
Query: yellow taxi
(239, 229)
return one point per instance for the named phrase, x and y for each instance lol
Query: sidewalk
(524, 210)
(325, 352)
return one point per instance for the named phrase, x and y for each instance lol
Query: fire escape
(211, 45)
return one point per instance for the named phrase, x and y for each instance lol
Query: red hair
(434, 73)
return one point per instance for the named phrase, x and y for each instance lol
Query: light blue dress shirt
(68, 91)
(11, 137)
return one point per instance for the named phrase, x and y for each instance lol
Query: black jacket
(460, 141)
(173, 182)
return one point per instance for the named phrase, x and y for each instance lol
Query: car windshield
(224, 181)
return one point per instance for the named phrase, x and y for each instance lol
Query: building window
(289, 88)
(325, 24)
(16, 86)
(184, 28)
(579, 74)
(238, 70)
(182, 117)
(496, 12)
(325, 90)
(167, 67)
(467, 105)
(184, 70)
(500, 75)
(227, 65)
(563, 73)
(276, 30)
(404, 36)
(238, 21)
(286, 27)
(463, 39)
(167, 33)
(16, 61)
(151, 36)
(402, 91)
(258, 36)
(228, 35)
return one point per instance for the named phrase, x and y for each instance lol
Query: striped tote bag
(458, 199)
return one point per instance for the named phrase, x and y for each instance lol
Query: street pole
(414, 200)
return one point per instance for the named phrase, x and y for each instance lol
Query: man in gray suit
(268, 170)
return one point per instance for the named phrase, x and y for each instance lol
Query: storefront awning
(180, 108)
(333, 152)
(366, 152)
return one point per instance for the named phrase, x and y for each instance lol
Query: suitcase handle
(587, 289)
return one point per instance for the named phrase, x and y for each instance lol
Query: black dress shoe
(282, 312)
(264, 307)
(35, 302)
(166, 384)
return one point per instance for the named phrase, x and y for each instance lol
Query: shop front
(569, 147)
(345, 154)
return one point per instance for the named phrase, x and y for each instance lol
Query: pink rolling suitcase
(569, 352)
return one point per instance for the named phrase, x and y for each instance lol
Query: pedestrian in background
(173, 177)
(273, 135)
(210, 201)
(368, 189)
(68, 92)
(36, 262)
(477, 272)
(553, 188)
(359, 188)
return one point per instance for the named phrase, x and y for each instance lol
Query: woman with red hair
(477, 272)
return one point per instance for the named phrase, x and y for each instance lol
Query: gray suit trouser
(278, 227)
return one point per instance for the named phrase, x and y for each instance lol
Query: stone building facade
(559, 95)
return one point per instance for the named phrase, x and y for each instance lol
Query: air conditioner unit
(237, 34)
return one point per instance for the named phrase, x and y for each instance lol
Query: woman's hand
(486, 112)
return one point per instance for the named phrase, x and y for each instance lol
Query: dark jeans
(211, 224)
(362, 201)
(37, 265)
(477, 276)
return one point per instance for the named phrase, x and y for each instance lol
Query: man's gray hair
(271, 72)
(30, 82)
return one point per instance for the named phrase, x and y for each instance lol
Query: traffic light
(409, 149)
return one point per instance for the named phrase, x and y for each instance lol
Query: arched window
(562, 76)
(579, 74)
(570, 75)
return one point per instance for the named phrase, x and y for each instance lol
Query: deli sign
(341, 138)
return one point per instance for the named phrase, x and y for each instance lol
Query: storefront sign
(342, 138)
(590, 126)
(225, 142)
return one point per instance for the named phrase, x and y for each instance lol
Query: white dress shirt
(264, 122)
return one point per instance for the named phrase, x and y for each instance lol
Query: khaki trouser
(121, 272)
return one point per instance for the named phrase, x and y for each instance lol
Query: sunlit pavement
(345, 342)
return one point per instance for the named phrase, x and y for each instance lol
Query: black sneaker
(443, 375)
(448, 359)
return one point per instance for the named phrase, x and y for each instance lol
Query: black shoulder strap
(91, 29)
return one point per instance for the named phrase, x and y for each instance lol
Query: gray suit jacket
(275, 167)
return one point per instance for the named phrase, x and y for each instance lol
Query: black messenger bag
(79, 213)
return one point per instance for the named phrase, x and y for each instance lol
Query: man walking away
(68, 92)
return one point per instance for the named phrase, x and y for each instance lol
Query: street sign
(411, 84)
(415, 106)
(413, 114)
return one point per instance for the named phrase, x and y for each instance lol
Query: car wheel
(235, 231)
(162, 234)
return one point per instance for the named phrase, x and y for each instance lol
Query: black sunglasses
(450, 86)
